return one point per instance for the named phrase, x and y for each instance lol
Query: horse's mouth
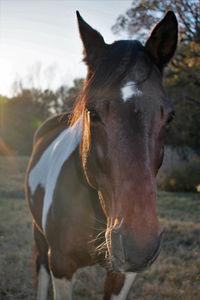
(118, 265)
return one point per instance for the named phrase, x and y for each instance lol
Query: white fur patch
(47, 169)
(129, 90)
(61, 288)
(43, 284)
(130, 277)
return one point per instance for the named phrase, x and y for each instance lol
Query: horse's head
(125, 116)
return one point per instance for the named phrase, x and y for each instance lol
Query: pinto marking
(129, 278)
(47, 170)
(43, 284)
(129, 244)
(62, 288)
(129, 90)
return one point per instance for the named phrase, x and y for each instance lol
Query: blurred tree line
(22, 114)
(182, 76)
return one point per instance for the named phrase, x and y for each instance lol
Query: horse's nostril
(117, 228)
(117, 244)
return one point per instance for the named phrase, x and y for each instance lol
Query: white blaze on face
(130, 90)
(45, 173)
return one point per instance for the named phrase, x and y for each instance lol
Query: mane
(50, 124)
(111, 70)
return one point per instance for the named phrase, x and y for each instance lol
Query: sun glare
(6, 76)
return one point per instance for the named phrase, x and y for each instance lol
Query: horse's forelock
(112, 69)
(115, 64)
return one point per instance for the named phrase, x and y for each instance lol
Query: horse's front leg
(61, 274)
(62, 289)
(41, 263)
(43, 283)
(118, 285)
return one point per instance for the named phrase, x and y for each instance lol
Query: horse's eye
(94, 116)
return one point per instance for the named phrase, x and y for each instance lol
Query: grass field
(175, 275)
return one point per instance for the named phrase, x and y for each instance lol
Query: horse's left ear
(93, 43)
(162, 42)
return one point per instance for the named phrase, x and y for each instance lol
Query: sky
(40, 43)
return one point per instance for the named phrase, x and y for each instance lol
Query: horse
(90, 181)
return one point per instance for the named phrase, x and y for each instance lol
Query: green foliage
(181, 178)
(143, 14)
(184, 130)
(182, 78)
(21, 115)
(71, 94)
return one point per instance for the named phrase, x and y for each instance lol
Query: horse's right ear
(162, 42)
(93, 43)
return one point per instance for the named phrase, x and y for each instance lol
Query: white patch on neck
(129, 278)
(47, 169)
(129, 90)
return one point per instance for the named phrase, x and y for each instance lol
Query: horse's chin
(126, 267)
(117, 265)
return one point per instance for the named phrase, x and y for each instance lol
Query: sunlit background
(39, 40)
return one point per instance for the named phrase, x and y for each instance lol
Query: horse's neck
(94, 198)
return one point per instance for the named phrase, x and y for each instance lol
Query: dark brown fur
(121, 151)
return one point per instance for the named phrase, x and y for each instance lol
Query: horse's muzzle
(127, 256)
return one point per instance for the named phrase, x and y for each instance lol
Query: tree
(22, 114)
(19, 118)
(182, 78)
(70, 95)
(139, 18)
(60, 100)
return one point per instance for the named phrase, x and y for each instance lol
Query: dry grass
(175, 275)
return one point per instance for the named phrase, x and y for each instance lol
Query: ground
(175, 275)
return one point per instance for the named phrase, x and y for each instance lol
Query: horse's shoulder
(50, 124)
